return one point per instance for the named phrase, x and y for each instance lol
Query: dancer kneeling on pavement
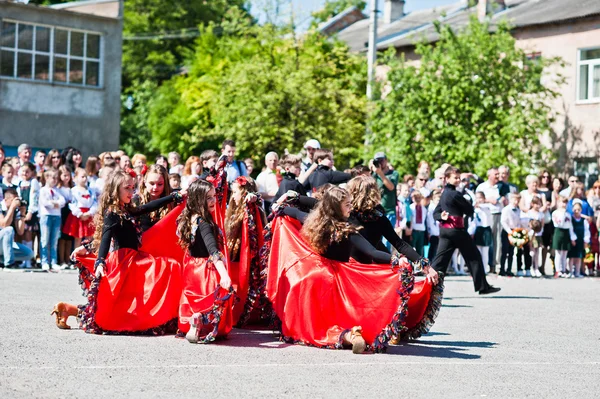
(205, 308)
(119, 274)
(358, 305)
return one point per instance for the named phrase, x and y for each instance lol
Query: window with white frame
(588, 87)
(49, 54)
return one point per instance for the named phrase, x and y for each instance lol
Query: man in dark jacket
(451, 212)
(322, 173)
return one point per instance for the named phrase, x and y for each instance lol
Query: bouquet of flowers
(589, 258)
(519, 237)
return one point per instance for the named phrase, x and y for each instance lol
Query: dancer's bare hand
(225, 282)
(250, 198)
(445, 215)
(432, 276)
(100, 272)
(79, 251)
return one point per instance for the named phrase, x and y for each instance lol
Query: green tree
(158, 36)
(334, 7)
(475, 101)
(267, 90)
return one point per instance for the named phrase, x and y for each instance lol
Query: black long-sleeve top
(454, 203)
(323, 175)
(145, 220)
(205, 243)
(121, 230)
(289, 182)
(374, 228)
(341, 250)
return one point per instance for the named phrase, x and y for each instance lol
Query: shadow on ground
(440, 349)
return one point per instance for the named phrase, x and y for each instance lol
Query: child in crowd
(564, 237)
(162, 161)
(581, 228)
(65, 242)
(480, 228)
(83, 206)
(403, 213)
(536, 227)
(175, 163)
(92, 167)
(249, 165)
(510, 219)
(523, 253)
(419, 222)
(51, 203)
(8, 177)
(292, 166)
(594, 248)
(109, 167)
(28, 189)
(208, 159)
(175, 181)
(433, 226)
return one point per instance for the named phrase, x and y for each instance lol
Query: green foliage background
(475, 101)
(265, 88)
(199, 72)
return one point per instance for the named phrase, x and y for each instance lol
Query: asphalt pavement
(537, 338)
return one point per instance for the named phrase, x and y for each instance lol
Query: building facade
(60, 77)
(548, 28)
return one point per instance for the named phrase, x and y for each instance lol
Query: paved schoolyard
(536, 338)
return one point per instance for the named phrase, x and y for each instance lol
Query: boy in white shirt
(510, 219)
(50, 205)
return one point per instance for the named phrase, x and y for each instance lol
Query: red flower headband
(131, 172)
(242, 181)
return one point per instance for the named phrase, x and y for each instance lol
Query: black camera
(376, 163)
(24, 203)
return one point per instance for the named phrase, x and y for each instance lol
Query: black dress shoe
(489, 290)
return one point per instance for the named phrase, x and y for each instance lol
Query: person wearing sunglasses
(572, 182)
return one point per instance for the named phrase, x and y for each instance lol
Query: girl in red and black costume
(118, 274)
(359, 305)
(205, 308)
(154, 185)
(245, 220)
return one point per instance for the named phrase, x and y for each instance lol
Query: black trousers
(523, 253)
(433, 246)
(507, 254)
(452, 239)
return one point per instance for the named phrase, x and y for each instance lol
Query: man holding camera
(11, 224)
(387, 180)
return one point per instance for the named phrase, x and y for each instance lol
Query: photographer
(387, 180)
(12, 224)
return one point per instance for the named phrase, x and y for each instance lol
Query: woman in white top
(532, 182)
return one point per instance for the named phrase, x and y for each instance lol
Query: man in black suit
(451, 212)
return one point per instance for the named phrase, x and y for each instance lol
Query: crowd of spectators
(49, 200)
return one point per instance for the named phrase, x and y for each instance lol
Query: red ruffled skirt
(316, 299)
(78, 228)
(202, 294)
(140, 293)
